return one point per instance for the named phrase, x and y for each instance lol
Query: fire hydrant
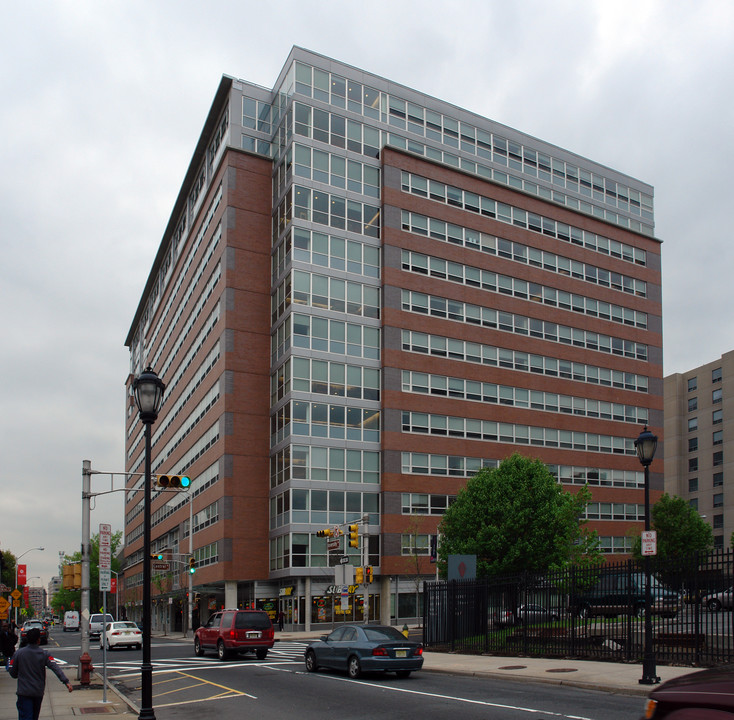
(405, 630)
(85, 669)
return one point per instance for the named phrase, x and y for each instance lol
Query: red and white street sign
(649, 542)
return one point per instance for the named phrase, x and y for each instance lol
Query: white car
(121, 634)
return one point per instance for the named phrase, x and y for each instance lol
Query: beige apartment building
(699, 445)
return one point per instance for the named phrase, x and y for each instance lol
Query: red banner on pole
(113, 585)
(21, 575)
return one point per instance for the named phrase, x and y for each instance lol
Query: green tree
(516, 518)
(681, 530)
(8, 569)
(64, 598)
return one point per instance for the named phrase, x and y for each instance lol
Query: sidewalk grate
(93, 710)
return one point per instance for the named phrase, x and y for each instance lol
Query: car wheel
(354, 669)
(221, 651)
(261, 653)
(311, 664)
(714, 605)
(403, 673)
(198, 650)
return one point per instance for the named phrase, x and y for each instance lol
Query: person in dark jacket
(29, 665)
(8, 640)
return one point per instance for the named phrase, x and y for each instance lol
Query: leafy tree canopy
(516, 518)
(680, 529)
(8, 569)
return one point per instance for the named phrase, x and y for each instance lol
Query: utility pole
(86, 513)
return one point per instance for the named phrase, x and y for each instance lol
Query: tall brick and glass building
(363, 295)
(699, 451)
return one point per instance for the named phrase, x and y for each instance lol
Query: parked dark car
(622, 593)
(705, 695)
(28, 624)
(236, 631)
(365, 648)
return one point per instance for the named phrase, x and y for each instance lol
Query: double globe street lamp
(148, 392)
(646, 444)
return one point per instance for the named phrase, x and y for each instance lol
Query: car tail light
(115, 632)
(269, 634)
(380, 651)
(418, 651)
(232, 634)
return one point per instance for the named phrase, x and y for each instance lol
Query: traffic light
(326, 532)
(173, 482)
(359, 575)
(157, 556)
(192, 565)
(368, 573)
(354, 536)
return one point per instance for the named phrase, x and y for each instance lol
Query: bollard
(85, 664)
(405, 630)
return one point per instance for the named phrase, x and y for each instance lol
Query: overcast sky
(101, 105)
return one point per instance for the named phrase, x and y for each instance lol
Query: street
(185, 686)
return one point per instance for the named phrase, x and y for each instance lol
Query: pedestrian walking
(29, 665)
(8, 640)
(281, 619)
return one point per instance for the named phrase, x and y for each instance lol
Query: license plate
(401, 653)
(253, 634)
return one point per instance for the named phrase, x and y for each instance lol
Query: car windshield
(380, 634)
(125, 625)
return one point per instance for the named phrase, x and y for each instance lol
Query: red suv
(236, 631)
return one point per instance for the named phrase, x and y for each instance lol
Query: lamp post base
(649, 670)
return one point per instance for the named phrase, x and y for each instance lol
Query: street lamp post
(646, 444)
(148, 390)
(16, 574)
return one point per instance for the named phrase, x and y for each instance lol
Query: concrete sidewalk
(60, 704)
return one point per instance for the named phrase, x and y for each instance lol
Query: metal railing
(595, 613)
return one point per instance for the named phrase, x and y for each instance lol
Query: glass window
(692, 424)
(692, 444)
(716, 395)
(692, 404)
(693, 485)
(692, 384)
(717, 416)
(716, 375)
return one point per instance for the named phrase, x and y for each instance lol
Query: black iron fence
(591, 613)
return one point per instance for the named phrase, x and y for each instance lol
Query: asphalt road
(185, 686)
